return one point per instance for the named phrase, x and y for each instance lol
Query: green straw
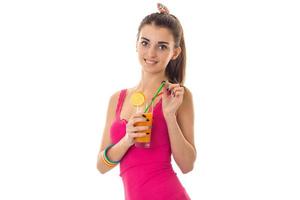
(155, 95)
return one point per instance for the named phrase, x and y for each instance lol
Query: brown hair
(175, 70)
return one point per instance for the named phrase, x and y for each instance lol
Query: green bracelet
(106, 157)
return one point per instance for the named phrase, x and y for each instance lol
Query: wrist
(170, 117)
(126, 142)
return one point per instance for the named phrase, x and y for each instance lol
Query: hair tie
(162, 9)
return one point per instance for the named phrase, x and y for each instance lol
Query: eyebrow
(159, 42)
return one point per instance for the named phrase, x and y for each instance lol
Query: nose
(152, 52)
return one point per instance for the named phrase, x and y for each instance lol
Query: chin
(152, 70)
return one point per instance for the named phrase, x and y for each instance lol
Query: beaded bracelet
(105, 158)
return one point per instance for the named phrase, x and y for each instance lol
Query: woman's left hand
(172, 98)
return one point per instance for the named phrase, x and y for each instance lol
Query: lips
(150, 62)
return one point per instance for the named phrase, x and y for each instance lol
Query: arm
(118, 150)
(181, 128)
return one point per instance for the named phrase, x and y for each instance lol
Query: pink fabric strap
(120, 103)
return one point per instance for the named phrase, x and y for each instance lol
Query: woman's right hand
(133, 131)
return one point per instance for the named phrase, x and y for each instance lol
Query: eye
(162, 47)
(144, 43)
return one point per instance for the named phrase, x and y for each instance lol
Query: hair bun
(162, 9)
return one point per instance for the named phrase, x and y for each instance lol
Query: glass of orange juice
(146, 140)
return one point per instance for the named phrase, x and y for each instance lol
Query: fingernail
(169, 91)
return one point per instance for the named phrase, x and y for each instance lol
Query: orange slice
(137, 99)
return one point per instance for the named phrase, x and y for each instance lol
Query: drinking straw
(155, 95)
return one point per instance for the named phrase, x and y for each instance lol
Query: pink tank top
(147, 173)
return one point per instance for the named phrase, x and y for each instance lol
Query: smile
(150, 62)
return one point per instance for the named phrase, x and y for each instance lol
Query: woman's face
(156, 47)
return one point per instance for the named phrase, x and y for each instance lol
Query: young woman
(147, 173)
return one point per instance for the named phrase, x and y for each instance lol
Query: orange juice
(144, 141)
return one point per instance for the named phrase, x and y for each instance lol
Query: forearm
(115, 153)
(183, 152)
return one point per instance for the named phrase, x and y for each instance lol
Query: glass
(146, 140)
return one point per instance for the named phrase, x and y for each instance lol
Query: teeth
(150, 61)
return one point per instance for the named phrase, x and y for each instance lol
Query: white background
(62, 60)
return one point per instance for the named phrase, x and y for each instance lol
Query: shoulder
(113, 100)
(185, 116)
(115, 96)
(188, 97)
(187, 94)
(187, 103)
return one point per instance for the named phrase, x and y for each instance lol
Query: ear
(176, 53)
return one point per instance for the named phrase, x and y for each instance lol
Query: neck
(150, 83)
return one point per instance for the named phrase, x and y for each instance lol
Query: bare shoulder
(112, 106)
(187, 94)
(110, 115)
(187, 103)
(114, 98)
(185, 116)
